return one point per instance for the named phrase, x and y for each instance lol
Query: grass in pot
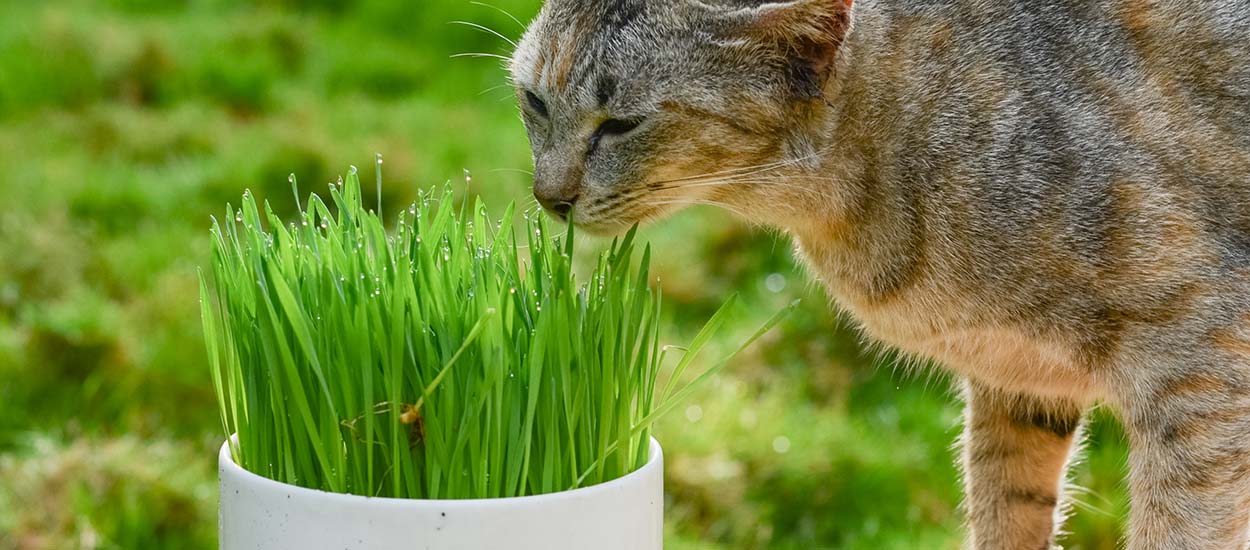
(447, 381)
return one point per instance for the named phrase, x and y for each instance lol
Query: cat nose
(556, 200)
(558, 206)
(558, 183)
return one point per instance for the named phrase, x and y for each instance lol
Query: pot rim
(227, 466)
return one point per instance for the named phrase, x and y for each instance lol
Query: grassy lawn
(124, 124)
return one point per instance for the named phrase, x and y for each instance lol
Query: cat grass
(445, 357)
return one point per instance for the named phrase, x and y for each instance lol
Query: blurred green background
(125, 123)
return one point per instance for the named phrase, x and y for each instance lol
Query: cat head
(635, 108)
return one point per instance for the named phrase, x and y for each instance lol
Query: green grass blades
(449, 358)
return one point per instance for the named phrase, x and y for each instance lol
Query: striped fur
(1050, 197)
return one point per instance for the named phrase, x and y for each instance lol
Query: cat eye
(536, 104)
(618, 127)
(613, 127)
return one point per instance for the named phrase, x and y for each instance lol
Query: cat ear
(819, 24)
(808, 32)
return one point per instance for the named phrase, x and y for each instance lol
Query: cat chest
(929, 326)
(930, 322)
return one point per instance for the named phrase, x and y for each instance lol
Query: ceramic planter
(623, 514)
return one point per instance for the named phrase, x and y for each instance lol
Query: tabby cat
(1049, 197)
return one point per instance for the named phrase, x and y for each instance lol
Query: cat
(1049, 197)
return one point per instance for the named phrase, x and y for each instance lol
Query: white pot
(624, 514)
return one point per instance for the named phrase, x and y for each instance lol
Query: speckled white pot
(259, 513)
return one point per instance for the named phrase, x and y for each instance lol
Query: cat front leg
(1015, 452)
(1189, 427)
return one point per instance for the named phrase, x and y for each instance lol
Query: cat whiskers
(483, 54)
(616, 201)
(729, 173)
(766, 174)
(651, 205)
(515, 170)
(497, 87)
(747, 170)
(500, 10)
(487, 30)
(776, 182)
